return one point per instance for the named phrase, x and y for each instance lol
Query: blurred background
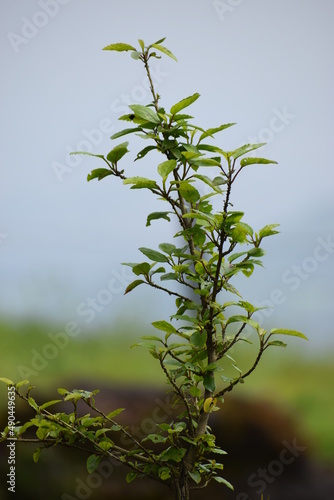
(63, 318)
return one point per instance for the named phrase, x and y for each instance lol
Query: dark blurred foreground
(267, 454)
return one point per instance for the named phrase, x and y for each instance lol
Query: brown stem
(242, 377)
(181, 488)
(178, 391)
(231, 344)
(170, 292)
(155, 97)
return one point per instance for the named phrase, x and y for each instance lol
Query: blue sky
(264, 64)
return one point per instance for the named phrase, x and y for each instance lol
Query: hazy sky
(265, 64)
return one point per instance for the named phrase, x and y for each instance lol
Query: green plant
(213, 244)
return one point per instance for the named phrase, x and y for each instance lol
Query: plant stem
(147, 68)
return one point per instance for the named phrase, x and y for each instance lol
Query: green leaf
(115, 412)
(143, 268)
(93, 462)
(86, 153)
(255, 161)
(131, 476)
(157, 215)
(21, 383)
(101, 432)
(185, 317)
(291, 333)
(140, 183)
(243, 319)
(268, 230)
(164, 50)
(159, 270)
(153, 255)
(151, 337)
(155, 438)
(246, 227)
(182, 117)
(50, 403)
(6, 381)
(167, 248)
(235, 256)
(141, 43)
(164, 326)
(230, 288)
(135, 55)
(62, 392)
(175, 454)
(239, 233)
(160, 41)
(234, 217)
(218, 451)
(184, 103)
(125, 132)
(169, 276)
(221, 480)
(88, 421)
(117, 153)
(145, 113)
(21, 430)
(227, 380)
(166, 167)
(119, 47)
(105, 444)
(198, 339)
(211, 131)
(195, 391)
(144, 152)
(256, 252)
(213, 183)
(196, 214)
(188, 192)
(207, 404)
(164, 473)
(128, 117)
(277, 343)
(209, 382)
(195, 476)
(206, 162)
(133, 285)
(212, 149)
(77, 394)
(33, 403)
(36, 454)
(190, 155)
(218, 181)
(99, 174)
(41, 433)
(245, 149)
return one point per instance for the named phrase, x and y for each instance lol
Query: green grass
(288, 378)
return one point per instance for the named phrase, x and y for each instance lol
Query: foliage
(212, 246)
